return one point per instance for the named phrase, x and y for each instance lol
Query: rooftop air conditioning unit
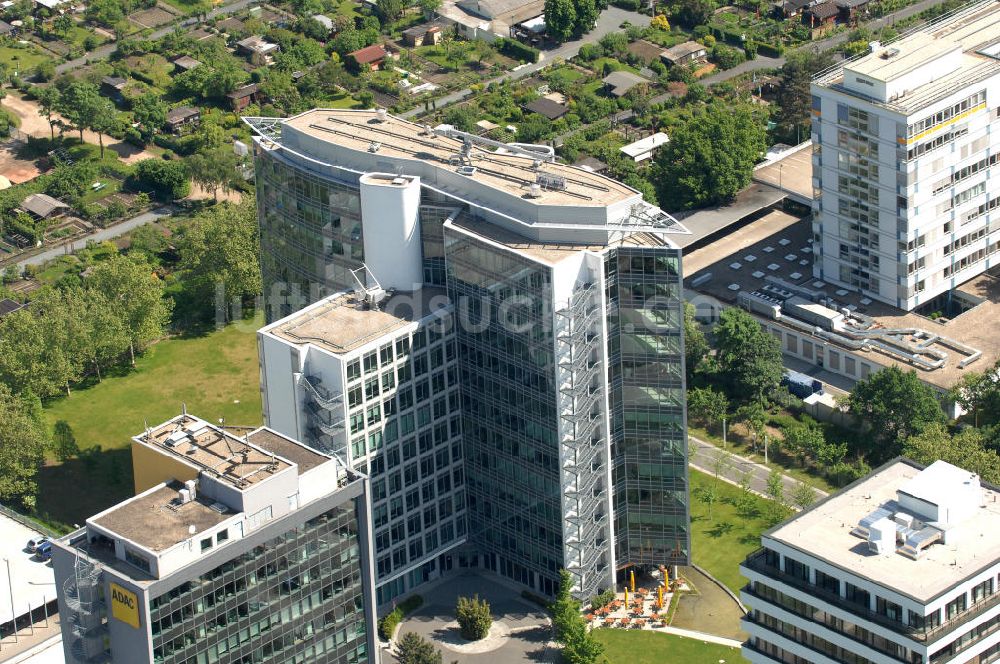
(382, 115)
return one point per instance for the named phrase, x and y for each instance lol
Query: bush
(770, 50)
(515, 49)
(474, 619)
(628, 5)
(167, 179)
(387, 625)
(601, 600)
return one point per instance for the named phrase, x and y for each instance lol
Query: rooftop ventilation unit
(549, 181)
(370, 296)
(535, 190)
(374, 146)
(467, 171)
(221, 508)
(381, 115)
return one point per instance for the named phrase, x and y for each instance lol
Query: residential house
(43, 206)
(684, 54)
(113, 87)
(592, 164)
(243, 96)
(618, 83)
(645, 51)
(231, 26)
(551, 109)
(8, 306)
(852, 10)
(179, 119)
(645, 148)
(791, 8)
(373, 56)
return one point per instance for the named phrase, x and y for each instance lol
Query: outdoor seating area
(642, 609)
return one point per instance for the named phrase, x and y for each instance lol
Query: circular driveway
(521, 630)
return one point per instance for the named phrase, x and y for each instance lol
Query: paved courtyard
(521, 630)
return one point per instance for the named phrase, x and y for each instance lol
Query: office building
(904, 143)
(558, 369)
(901, 566)
(247, 549)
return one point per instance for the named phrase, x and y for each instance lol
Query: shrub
(474, 619)
(601, 600)
(387, 625)
(517, 50)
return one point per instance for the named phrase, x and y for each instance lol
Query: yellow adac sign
(124, 605)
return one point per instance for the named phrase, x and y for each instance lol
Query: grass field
(645, 647)
(22, 60)
(722, 540)
(215, 375)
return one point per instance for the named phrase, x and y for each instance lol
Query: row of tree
(69, 333)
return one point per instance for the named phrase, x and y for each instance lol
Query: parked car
(35, 542)
(44, 550)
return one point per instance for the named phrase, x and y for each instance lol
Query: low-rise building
(113, 87)
(43, 206)
(683, 54)
(645, 148)
(185, 63)
(235, 549)
(373, 56)
(243, 96)
(182, 118)
(618, 83)
(548, 108)
(257, 46)
(901, 566)
(425, 34)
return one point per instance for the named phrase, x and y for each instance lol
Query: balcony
(757, 563)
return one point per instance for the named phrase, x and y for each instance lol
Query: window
(353, 370)
(795, 568)
(222, 536)
(857, 595)
(402, 347)
(371, 388)
(954, 607)
(890, 610)
(385, 354)
(206, 544)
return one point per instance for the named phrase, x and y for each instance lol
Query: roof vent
(382, 115)
(468, 171)
(874, 46)
(374, 146)
(535, 190)
(219, 507)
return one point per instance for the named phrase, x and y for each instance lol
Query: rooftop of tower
(383, 135)
(927, 64)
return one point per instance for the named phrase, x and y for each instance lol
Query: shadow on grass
(72, 491)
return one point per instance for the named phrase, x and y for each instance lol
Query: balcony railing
(757, 562)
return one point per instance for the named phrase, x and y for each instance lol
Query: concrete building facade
(235, 549)
(901, 566)
(561, 300)
(904, 145)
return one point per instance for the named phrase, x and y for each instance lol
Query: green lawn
(645, 647)
(721, 537)
(215, 375)
(597, 66)
(23, 59)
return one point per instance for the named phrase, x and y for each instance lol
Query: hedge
(770, 50)
(518, 51)
(387, 625)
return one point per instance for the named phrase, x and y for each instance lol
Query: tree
(586, 16)
(474, 618)
(429, 7)
(220, 251)
(22, 450)
(694, 12)
(101, 118)
(579, 645)
(78, 103)
(896, 404)
(803, 495)
(415, 649)
(167, 179)
(710, 157)
(964, 449)
(150, 111)
(136, 294)
(794, 96)
(48, 103)
(389, 9)
(214, 169)
(804, 440)
(695, 345)
(63, 441)
(62, 25)
(560, 19)
(776, 486)
(749, 358)
(707, 405)
(978, 394)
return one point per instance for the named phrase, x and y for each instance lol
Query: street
(109, 233)
(704, 456)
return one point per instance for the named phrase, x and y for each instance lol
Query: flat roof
(790, 171)
(974, 29)
(510, 173)
(157, 521)
(212, 450)
(708, 221)
(339, 324)
(824, 531)
(32, 582)
(782, 240)
(644, 145)
(306, 459)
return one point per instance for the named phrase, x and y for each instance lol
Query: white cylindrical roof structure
(390, 207)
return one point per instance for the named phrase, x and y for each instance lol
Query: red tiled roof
(369, 54)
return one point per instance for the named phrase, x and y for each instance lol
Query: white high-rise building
(904, 144)
(902, 566)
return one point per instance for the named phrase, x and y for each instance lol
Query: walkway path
(703, 457)
(609, 21)
(116, 230)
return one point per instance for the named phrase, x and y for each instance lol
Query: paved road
(703, 456)
(101, 235)
(609, 21)
(105, 51)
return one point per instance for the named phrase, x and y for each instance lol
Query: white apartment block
(901, 566)
(904, 146)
